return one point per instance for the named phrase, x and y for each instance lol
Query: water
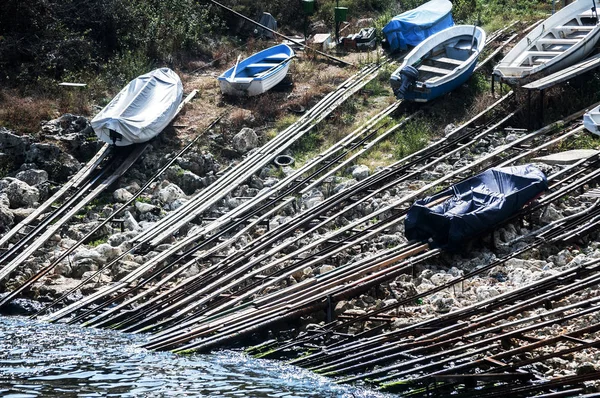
(39, 359)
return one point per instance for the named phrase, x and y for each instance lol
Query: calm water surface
(40, 359)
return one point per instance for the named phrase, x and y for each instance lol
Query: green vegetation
(98, 242)
(414, 136)
(583, 140)
(46, 41)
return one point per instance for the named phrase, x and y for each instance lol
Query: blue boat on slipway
(257, 73)
(413, 26)
(439, 64)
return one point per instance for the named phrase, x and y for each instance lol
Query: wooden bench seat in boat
(447, 60)
(433, 69)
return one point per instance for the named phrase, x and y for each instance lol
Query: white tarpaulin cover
(142, 109)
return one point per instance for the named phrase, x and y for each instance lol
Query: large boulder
(245, 140)
(21, 194)
(33, 177)
(58, 164)
(12, 144)
(74, 131)
(20, 306)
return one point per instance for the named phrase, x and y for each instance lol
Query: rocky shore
(68, 142)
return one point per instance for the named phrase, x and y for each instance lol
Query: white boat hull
(560, 41)
(591, 120)
(141, 110)
(239, 87)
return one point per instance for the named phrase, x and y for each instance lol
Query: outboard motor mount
(409, 76)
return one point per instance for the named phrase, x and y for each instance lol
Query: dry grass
(24, 114)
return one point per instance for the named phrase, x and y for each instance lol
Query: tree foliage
(51, 38)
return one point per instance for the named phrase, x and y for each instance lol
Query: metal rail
(250, 165)
(453, 138)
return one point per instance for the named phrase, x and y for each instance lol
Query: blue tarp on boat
(413, 26)
(474, 205)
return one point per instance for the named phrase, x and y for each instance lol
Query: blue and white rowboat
(439, 64)
(257, 73)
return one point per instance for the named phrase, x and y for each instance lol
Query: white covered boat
(141, 110)
(560, 41)
(439, 64)
(591, 120)
(257, 73)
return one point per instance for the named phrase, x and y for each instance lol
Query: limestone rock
(33, 177)
(122, 195)
(20, 306)
(326, 268)
(360, 172)
(82, 266)
(21, 213)
(20, 194)
(170, 193)
(108, 252)
(190, 182)
(6, 218)
(130, 222)
(144, 208)
(13, 144)
(245, 140)
(312, 198)
(122, 268)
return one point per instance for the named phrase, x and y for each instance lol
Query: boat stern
(591, 121)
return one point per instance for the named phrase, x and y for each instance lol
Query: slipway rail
(226, 323)
(35, 239)
(237, 175)
(35, 222)
(231, 266)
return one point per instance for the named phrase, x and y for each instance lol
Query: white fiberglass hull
(560, 41)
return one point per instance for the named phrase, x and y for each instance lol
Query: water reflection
(39, 359)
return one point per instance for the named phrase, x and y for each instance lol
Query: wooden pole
(279, 34)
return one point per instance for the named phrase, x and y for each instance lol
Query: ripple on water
(41, 359)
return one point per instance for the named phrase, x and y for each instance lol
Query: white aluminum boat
(591, 120)
(560, 41)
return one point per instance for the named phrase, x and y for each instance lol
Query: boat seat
(433, 69)
(276, 57)
(242, 79)
(543, 53)
(261, 65)
(447, 60)
(575, 27)
(587, 14)
(558, 41)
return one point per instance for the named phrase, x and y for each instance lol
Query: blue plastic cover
(413, 26)
(474, 205)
